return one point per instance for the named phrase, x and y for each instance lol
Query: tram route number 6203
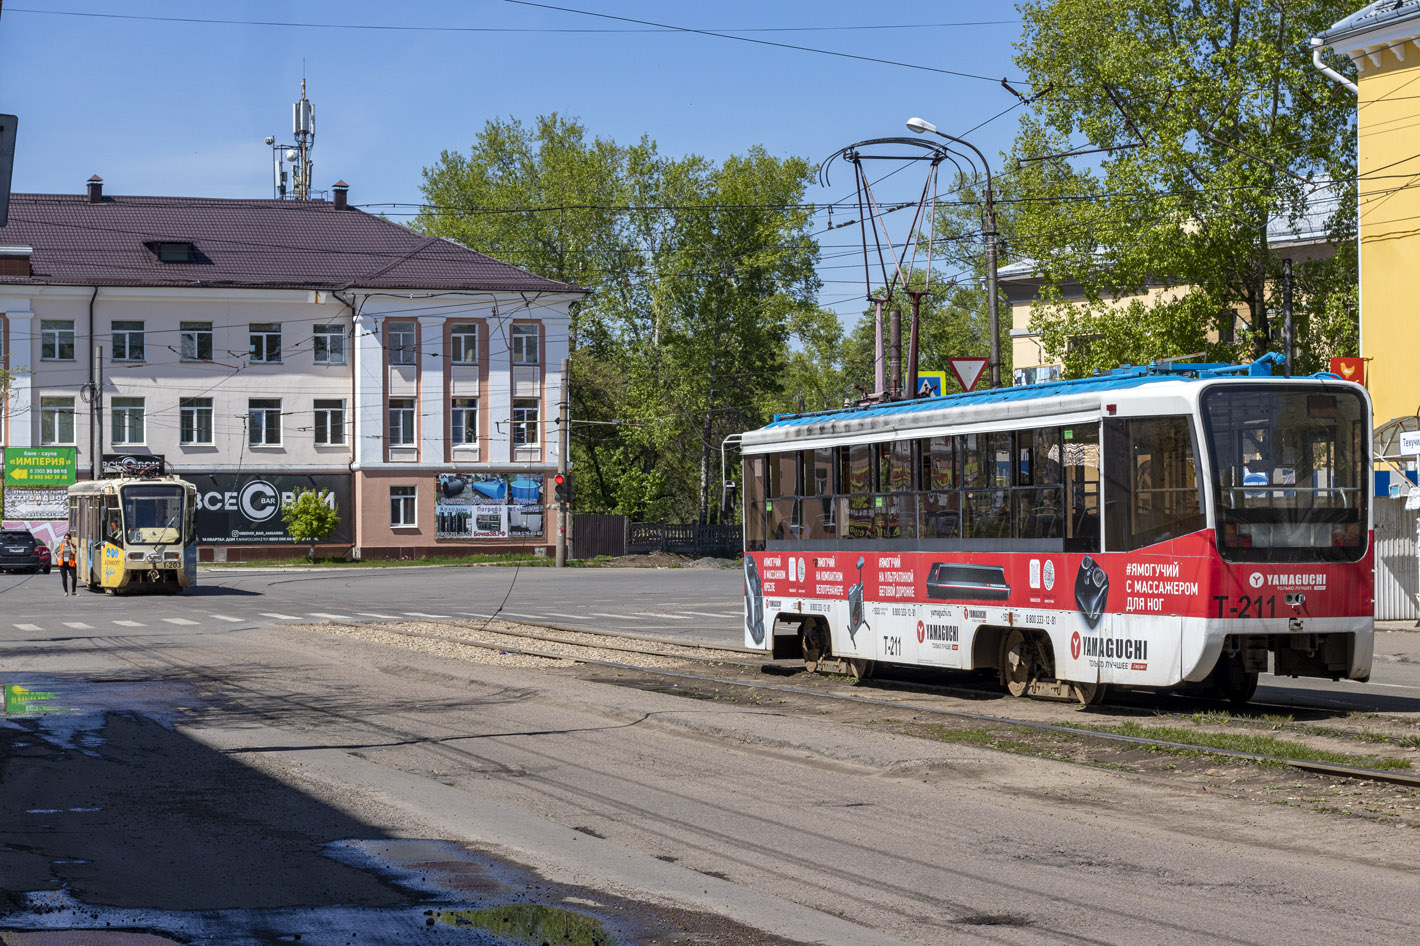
(1244, 606)
(892, 646)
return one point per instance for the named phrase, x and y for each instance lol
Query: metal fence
(685, 539)
(1396, 566)
(594, 535)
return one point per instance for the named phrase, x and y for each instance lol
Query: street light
(921, 126)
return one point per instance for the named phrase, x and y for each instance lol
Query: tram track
(735, 656)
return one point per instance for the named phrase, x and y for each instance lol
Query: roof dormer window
(173, 251)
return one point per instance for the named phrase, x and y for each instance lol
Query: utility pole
(564, 419)
(1287, 337)
(96, 418)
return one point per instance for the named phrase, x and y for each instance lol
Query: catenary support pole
(564, 412)
(1288, 339)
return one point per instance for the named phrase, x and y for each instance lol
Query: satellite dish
(291, 155)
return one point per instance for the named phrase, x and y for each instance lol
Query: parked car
(20, 551)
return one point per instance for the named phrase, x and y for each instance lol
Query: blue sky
(164, 107)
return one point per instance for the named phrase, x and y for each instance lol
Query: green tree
(1218, 126)
(701, 275)
(310, 516)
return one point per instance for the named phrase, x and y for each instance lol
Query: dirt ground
(670, 560)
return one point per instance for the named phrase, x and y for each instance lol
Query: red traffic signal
(560, 487)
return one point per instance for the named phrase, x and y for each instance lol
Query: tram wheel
(814, 639)
(1017, 663)
(1089, 694)
(1233, 683)
(861, 669)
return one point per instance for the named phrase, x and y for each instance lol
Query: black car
(20, 551)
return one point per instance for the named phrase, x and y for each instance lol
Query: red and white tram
(1151, 528)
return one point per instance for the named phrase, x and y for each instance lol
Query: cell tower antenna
(298, 155)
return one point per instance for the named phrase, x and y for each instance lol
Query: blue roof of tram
(1120, 379)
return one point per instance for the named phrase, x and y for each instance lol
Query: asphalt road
(208, 773)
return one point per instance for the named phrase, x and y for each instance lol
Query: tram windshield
(1290, 471)
(152, 514)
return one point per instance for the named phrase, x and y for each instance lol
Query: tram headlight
(1295, 598)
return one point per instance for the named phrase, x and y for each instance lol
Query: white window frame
(404, 507)
(524, 339)
(262, 427)
(463, 343)
(523, 425)
(463, 413)
(122, 340)
(126, 421)
(265, 343)
(192, 412)
(329, 430)
(193, 332)
(54, 334)
(408, 426)
(52, 412)
(329, 344)
(406, 352)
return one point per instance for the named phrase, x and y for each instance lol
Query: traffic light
(561, 488)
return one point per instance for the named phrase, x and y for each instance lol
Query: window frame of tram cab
(1036, 488)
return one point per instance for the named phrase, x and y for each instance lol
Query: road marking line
(281, 617)
(225, 617)
(668, 617)
(79, 625)
(603, 614)
(720, 614)
(516, 614)
(332, 617)
(421, 614)
(29, 627)
(575, 617)
(129, 624)
(382, 617)
(178, 621)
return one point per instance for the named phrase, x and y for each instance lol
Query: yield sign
(967, 370)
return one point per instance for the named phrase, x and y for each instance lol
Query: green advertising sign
(40, 466)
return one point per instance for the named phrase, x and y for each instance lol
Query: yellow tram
(133, 533)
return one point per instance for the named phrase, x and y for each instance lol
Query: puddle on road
(458, 896)
(70, 713)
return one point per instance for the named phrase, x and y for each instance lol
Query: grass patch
(1248, 742)
(522, 560)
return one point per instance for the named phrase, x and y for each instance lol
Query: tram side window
(754, 504)
(941, 502)
(1082, 488)
(784, 490)
(1151, 482)
(895, 505)
(817, 509)
(986, 474)
(1039, 498)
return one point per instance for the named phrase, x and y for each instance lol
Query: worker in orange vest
(68, 559)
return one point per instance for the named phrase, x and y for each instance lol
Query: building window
(264, 421)
(56, 341)
(196, 341)
(56, 420)
(401, 421)
(127, 341)
(399, 336)
(402, 506)
(330, 423)
(196, 420)
(463, 344)
(330, 344)
(464, 427)
(525, 347)
(265, 342)
(525, 422)
(126, 416)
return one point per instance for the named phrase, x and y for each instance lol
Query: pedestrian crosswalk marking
(281, 617)
(331, 617)
(29, 627)
(224, 617)
(179, 621)
(129, 624)
(79, 625)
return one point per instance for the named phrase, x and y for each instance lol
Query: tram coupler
(1060, 691)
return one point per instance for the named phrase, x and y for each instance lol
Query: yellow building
(1383, 40)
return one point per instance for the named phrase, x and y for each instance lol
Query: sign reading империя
(40, 466)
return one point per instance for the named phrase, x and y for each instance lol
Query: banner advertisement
(488, 505)
(40, 466)
(29, 503)
(245, 508)
(132, 464)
